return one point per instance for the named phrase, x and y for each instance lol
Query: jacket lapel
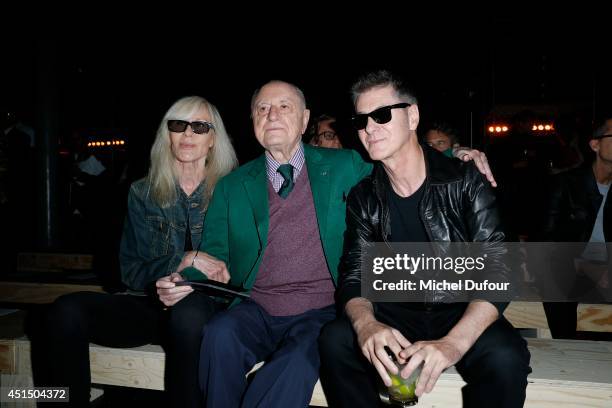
(256, 186)
(319, 175)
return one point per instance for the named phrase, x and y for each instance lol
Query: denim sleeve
(140, 265)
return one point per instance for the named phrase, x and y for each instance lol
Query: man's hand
(373, 336)
(437, 356)
(210, 266)
(169, 294)
(480, 160)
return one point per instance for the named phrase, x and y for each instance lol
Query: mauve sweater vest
(293, 276)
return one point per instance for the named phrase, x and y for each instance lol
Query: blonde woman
(165, 216)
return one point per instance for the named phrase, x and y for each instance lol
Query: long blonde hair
(221, 158)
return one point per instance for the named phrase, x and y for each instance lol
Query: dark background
(128, 82)
(468, 73)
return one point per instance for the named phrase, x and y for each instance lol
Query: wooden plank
(572, 362)
(526, 315)
(139, 367)
(596, 318)
(7, 356)
(38, 293)
(591, 317)
(447, 394)
(53, 262)
(544, 334)
(23, 360)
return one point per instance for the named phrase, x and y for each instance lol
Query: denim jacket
(153, 240)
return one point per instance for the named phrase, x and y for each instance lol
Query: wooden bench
(591, 317)
(566, 373)
(40, 293)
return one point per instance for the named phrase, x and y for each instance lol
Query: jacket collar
(439, 168)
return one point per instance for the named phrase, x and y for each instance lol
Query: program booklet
(215, 288)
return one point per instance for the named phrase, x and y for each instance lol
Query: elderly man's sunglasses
(199, 127)
(380, 115)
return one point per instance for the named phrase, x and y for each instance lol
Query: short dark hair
(383, 78)
(601, 127)
(312, 132)
(446, 128)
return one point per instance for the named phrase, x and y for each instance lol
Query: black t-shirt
(188, 243)
(406, 224)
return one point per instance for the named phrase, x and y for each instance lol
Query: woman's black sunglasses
(199, 127)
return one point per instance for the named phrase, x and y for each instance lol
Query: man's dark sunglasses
(601, 136)
(380, 115)
(199, 127)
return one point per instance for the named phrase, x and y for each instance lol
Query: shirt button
(194, 205)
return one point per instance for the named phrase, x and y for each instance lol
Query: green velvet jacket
(237, 220)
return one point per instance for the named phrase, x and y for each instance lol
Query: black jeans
(495, 368)
(75, 320)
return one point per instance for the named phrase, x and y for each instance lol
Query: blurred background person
(580, 210)
(324, 132)
(442, 137)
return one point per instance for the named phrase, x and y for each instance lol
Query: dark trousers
(562, 318)
(495, 368)
(77, 319)
(237, 339)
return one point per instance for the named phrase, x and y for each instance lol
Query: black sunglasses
(601, 136)
(199, 127)
(380, 115)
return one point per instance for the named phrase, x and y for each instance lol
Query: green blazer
(237, 220)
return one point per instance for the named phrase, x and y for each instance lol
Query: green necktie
(286, 170)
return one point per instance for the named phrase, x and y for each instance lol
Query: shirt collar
(297, 162)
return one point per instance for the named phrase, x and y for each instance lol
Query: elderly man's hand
(169, 294)
(437, 356)
(373, 337)
(480, 160)
(213, 268)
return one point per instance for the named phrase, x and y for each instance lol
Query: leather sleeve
(484, 224)
(357, 237)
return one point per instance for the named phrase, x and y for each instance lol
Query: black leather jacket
(573, 206)
(458, 205)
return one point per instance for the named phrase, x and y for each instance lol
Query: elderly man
(277, 223)
(415, 194)
(282, 215)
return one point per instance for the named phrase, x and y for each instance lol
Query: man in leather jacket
(415, 194)
(580, 210)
